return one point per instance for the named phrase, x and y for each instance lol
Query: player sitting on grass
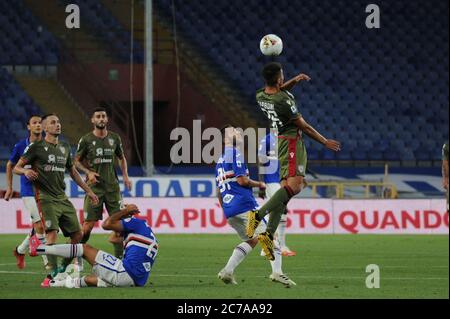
(234, 190)
(140, 246)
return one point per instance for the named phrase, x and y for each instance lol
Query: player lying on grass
(140, 247)
(234, 190)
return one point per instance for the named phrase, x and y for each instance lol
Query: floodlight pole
(148, 122)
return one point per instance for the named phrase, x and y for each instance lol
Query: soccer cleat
(71, 282)
(266, 241)
(20, 258)
(286, 252)
(226, 277)
(252, 223)
(283, 279)
(34, 244)
(46, 282)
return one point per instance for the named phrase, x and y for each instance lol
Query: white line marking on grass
(309, 277)
(28, 262)
(21, 272)
(243, 276)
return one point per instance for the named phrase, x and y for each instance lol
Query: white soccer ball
(271, 44)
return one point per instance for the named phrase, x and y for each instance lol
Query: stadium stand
(383, 93)
(24, 41)
(108, 29)
(15, 108)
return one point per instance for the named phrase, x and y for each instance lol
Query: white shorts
(271, 189)
(110, 270)
(239, 223)
(31, 206)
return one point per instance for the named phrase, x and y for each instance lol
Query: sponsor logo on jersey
(228, 198)
(99, 152)
(51, 159)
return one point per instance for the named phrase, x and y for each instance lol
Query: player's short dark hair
(29, 119)
(271, 72)
(99, 109)
(47, 115)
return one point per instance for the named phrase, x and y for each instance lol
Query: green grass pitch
(326, 266)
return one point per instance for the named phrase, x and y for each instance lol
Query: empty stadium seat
(390, 84)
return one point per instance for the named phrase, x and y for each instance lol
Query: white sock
(281, 230)
(66, 250)
(276, 264)
(41, 237)
(101, 283)
(80, 283)
(23, 247)
(239, 253)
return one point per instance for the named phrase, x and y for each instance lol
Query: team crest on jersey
(99, 152)
(63, 150)
(228, 198)
(93, 143)
(111, 141)
(147, 266)
(48, 223)
(51, 159)
(301, 168)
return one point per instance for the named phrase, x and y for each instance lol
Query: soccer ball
(271, 44)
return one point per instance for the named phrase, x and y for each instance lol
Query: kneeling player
(236, 198)
(140, 245)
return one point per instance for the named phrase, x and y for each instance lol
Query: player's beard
(100, 126)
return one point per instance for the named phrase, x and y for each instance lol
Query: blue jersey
(141, 248)
(267, 156)
(26, 187)
(236, 198)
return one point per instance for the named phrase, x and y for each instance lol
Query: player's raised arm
(113, 222)
(77, 178)
(311, 132)
(288, 85)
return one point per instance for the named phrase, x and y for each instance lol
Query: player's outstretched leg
(240, 252)
(277, 274)
(266, 241)
(253, 221)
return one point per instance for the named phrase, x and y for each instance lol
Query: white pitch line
(313, 277)
(21, 272)
(213, 276)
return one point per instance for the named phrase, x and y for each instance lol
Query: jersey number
(221, 177)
